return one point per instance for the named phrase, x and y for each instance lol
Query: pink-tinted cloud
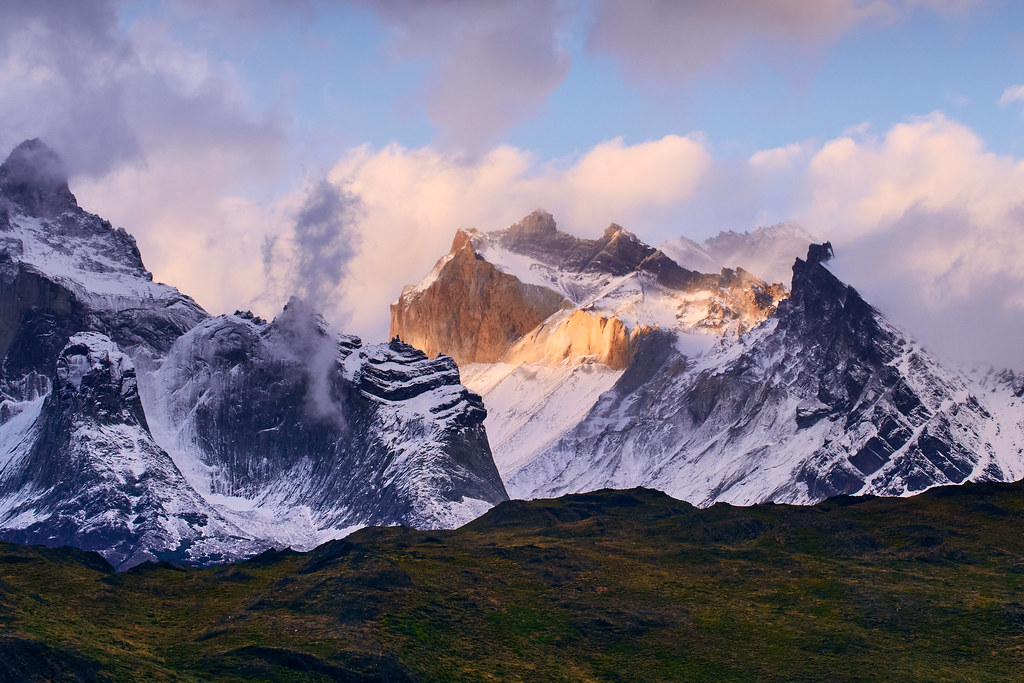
(413, 200)
(671, 42)
(931, 224)
(1014, 93)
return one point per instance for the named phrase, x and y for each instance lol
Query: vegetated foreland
(612, 585)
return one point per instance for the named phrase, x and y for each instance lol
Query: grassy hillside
(614, 585)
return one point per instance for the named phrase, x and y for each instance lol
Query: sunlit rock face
(575, 336)
(714, 387)
(533, 294)
(135, 424)
(530, 311)
(468, 309)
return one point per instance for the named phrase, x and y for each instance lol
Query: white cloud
(780, 158)
(926, 221)
(1015, 93)
(192, 232)
(413, 200)
(930, 225)
(73, 77)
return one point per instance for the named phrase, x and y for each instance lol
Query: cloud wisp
(665, 43)
(1014, 93)
(494, 64)
(325, 241)
(925, 220)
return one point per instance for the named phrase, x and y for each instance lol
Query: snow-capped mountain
(728, 389)
(135, 424)
(767, 252)
(291, 418)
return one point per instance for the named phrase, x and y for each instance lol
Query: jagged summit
(709, 386)
(820, 253)
(542, 322)
(615, 253)
(614, 230)
(35, 179)
(540, 222)
(483, 300)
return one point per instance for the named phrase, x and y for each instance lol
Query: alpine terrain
(606, 363)
(135, 424)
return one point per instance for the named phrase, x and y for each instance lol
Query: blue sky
(333, 68)
(891, 127)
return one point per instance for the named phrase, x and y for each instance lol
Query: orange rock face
(579, 335)
(468, 309)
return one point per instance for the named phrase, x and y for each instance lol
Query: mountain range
(528, 362)
(134, 423)
(617, 367)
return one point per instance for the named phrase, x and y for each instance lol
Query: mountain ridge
(818, 395)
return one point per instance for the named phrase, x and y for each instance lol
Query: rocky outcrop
(93, 477)
(292, 412)
(576, 336)
(519, 309)
(468, 309)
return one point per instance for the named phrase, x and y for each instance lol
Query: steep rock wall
(468, 309)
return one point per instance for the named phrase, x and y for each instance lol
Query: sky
(330, 149)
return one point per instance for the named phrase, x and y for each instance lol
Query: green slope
(613, 585)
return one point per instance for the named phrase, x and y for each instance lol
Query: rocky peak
(540, 222)
(463, 239)
(820, 253)
(98, 379)
(35, 179)
(833, 316)
(616, 231)
(815, 288)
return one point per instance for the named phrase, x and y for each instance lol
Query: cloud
(1015, 93)
(926, 221)
(192, 232)
(413, 200)
(74, 78)
(493, 63)
(666, 42)
(325, 239)
(929, 224)
(157, 137)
